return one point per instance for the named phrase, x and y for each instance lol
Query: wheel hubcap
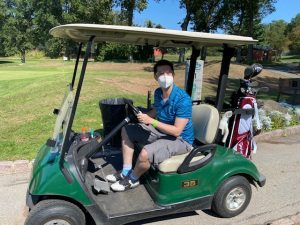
(57, 222)
(235, 199)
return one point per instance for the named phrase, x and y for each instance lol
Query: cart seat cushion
(172, 164)
(205, 122)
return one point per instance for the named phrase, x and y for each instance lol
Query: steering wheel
(133, 109)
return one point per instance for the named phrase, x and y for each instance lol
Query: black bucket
(113, 112)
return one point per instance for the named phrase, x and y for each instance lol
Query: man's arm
(174, 130)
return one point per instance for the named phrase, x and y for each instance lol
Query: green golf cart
(68, 184)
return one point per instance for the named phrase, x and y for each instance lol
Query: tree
(129, 6)
(3, 18)
(208, 16)
(18, 29)
(294, 37)
(187, 4)
(246, 18)
(47, 14)
(52, 13)
(293, 24)
(293, 33)
(275, 35)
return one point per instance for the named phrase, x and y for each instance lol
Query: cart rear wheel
(55, 212)
(233, 197)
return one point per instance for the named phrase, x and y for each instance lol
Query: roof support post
(76, 65)
(66, 142)
(191, 75)
(228, 53)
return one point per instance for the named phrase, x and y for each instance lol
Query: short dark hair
(163, 62)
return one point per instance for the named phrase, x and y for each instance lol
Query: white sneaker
(115, 177)
(124, 184)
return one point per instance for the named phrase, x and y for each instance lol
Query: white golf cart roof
(144, 36)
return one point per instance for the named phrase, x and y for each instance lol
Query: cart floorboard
(117, 203)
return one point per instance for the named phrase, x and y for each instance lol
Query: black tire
(232, 197)
(57, 211)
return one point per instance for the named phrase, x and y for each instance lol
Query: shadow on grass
(5, 62)
(292, 57)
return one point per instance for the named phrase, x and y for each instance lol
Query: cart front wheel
(55, 212)
(233, 197)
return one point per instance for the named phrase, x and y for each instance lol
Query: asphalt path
(278, 159)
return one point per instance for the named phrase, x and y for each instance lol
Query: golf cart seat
(205, 122)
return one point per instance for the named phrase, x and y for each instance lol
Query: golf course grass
(29, 92)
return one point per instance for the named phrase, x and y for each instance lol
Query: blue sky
(168, 14)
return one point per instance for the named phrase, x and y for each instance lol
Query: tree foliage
(25, 24)
(17, 28)
(129, 6)
(293, 33)
(275, 34)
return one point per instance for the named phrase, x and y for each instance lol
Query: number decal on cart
(189, 183)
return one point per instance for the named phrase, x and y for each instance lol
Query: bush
(53, 48)
(35, 54)
(114, 51)
(278, 120)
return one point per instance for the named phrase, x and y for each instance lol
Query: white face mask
(165, 81)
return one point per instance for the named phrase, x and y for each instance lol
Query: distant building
(263, 54)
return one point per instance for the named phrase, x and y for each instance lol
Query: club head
(252, 71)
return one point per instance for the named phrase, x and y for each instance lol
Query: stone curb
(278, 133)
(17, 166)
(289, 220)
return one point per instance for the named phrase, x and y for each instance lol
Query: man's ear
(155, 77)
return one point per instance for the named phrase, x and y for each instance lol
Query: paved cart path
(277, 159)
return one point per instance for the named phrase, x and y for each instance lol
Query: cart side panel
(171, 188)
(47, 179)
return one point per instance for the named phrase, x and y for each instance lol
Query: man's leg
(141, 166)
(131, 181)
(127, 151)
(127, 148)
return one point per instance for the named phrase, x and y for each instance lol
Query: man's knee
(124, 133)
(143, 156)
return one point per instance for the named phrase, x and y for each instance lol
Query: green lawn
(290, 59)
(30, 92)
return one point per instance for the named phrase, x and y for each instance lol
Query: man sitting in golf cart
(171, 134)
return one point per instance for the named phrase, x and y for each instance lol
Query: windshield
(62, 119)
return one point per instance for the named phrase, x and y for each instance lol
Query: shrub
(278, 120)
(114, 51)
(53, 48)
(265, 120)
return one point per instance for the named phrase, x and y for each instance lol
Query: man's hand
(144, 118)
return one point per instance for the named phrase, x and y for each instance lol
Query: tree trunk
(184, 27)
(238, 55)
(23, 55)
(250, 47)
(130, 9)
(181, 55)
(203, 53)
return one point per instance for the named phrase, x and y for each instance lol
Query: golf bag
(241, 124)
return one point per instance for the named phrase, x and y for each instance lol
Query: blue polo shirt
(179, 105)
